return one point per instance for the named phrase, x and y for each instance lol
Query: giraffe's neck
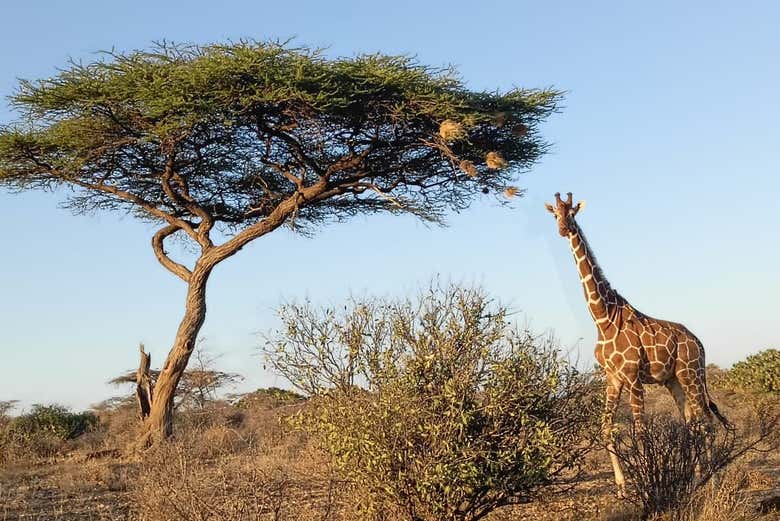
(600, 296)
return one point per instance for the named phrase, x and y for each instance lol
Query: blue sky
(669, 130)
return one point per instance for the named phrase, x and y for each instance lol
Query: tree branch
(183, 199)
(127, 196)
(293, 143)
(174, 267)
(275, 219)
(348, 161)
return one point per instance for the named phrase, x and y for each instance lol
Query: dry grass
(230, 464)
(175, 485)
(728, 499)
(237, 465)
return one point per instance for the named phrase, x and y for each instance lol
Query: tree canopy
(198, 136)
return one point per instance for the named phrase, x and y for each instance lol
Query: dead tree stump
(143, 388)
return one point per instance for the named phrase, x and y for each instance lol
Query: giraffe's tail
(716, 412)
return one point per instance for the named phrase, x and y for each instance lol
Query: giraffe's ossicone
(633, 348)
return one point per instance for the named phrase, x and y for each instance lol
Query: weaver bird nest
(495, 161)
(451, 130)
(468, 167)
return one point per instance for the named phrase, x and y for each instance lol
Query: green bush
(269, 397)
(758, 373)
(436, 409)
(53, 421)
(42, 431)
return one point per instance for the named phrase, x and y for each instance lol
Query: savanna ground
(240, 461)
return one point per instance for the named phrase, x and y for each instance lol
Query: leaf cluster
(436, 408)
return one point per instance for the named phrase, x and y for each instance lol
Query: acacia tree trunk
(159, 423)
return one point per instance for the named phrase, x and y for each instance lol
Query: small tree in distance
(198, 386)
(6, 406)
(436, 409)
(223, 144)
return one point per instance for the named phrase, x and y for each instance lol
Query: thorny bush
(437, 409)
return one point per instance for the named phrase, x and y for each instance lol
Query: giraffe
(635, 349)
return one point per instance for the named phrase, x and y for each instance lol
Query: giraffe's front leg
(614, 387)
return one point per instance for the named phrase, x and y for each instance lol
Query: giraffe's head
(564, 212)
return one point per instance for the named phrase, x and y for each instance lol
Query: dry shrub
(267, 398)
(15, 450)
(43, 432)
(222, 429)
(119, 423)
(231, 464)
(662, 464)
(722, 500)
(717, 378)
(216, 413)
(75, 478)
(672, 465)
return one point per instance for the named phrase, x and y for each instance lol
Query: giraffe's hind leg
(676, 390)
(692, 380)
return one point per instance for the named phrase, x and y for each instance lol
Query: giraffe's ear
(579, 207)
(549, 208)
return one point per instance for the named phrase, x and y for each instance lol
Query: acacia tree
(222, 144)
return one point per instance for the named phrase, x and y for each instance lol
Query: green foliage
(55, 421)
(222, 130)
(268, 397)
(758, 373)
(436, 409)
(42, 431)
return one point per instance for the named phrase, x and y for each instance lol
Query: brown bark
(159, 424)
(143, 387)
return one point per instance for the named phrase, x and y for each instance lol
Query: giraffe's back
(669, 349)
(660, 349)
